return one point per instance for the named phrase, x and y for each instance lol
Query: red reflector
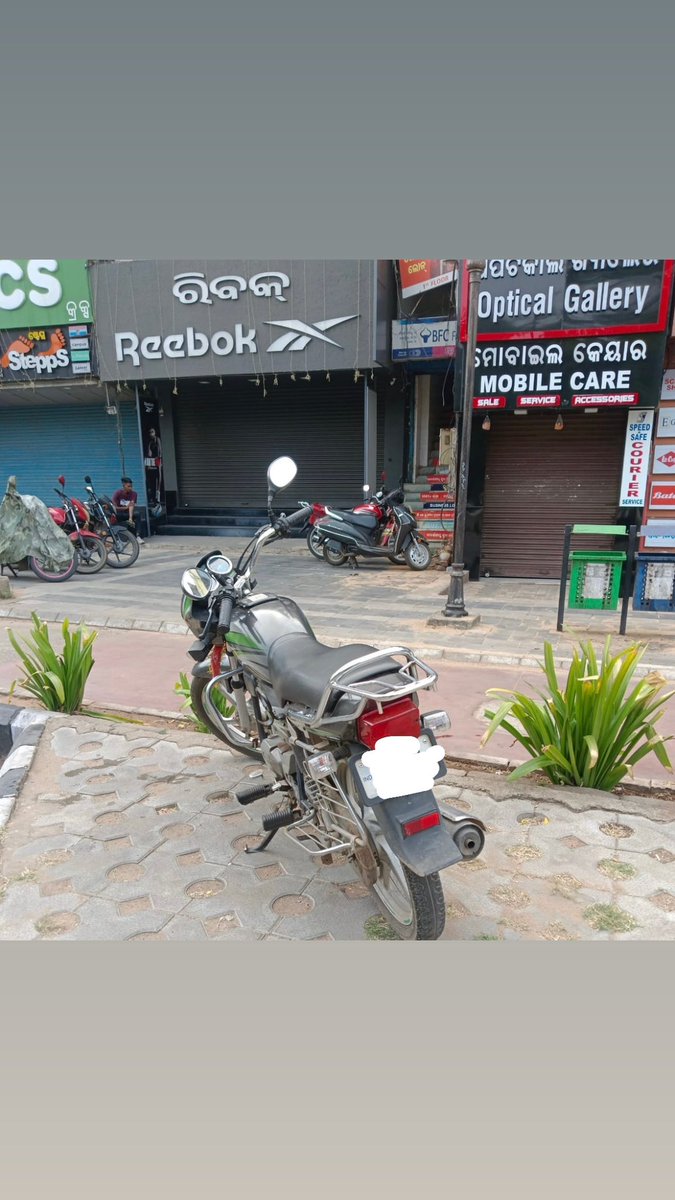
(400, 719)
(421, 823)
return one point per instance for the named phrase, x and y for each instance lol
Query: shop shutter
(37, 444)
(538, 480)
(226, 437)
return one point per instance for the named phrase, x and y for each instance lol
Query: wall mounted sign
(663, 537)
(421, 274)
(35, 292)
(664, 459)
(662, 495)
(540, 298)
(49, 352)
(666, 425)
(432, 338)
(166, 319)
(639, 429)
(581, 373)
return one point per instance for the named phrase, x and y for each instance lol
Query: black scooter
(347, 536)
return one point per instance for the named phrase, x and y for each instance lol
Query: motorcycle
(30, 540)
(73, 519)
(346, 536)
(350, 760)
(371, 505)
(121, 544)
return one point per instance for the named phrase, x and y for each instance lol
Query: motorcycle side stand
(263, 845)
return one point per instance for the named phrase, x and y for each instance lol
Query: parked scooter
(352, 762)
(371, 506)
(346, 536)
(30, 540)
(73, 518)
(121, 544)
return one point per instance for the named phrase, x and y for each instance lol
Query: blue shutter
(37, 444)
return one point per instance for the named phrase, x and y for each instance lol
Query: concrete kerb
(22, 727)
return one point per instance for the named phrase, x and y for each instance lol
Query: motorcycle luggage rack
(376, 689)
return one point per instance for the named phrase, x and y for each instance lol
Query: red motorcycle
(73, 518)
(376, 506)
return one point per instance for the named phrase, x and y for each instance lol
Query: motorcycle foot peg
(246, 793)
(276, 820)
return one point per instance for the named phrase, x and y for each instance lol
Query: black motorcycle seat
(364, 520)
(300, 666)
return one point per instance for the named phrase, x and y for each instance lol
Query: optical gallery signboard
(169, 319)
(570, 333)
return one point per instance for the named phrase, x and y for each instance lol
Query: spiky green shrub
(56, 680)
(592, 731)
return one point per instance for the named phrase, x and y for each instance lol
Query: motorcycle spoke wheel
(93, 556)
(123, 548)
(53, 576)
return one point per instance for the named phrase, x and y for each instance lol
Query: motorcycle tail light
(399, 719)
(428, 821)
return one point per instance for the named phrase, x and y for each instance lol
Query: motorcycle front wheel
(334, 555)
(314, 544)
(230, 733)
(54, 576)
(123, 548)
(417, 555)
(92, 555)
(414, 906)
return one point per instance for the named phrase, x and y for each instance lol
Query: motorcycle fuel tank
(257, 623)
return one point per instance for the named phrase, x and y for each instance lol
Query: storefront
(568, 352)
(237, 362)
(56, 418)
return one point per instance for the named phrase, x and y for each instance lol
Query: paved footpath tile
(134, 834)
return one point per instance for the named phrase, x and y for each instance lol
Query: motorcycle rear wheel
(334, 556)
(123, 548)
(314, 545)
(93, 556)
(230, 734)
(414, 906)
(53, 576)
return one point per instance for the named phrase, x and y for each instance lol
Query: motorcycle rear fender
(423, 853)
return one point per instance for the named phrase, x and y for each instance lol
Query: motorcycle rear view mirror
(62, 481)
(280, 473)
(87, 479)
(366, 489)
(198, 583)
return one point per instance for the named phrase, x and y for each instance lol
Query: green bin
(595, 578)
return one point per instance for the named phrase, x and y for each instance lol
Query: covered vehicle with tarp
(29, 538)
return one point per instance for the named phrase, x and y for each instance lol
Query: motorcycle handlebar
(225, 613)
(284, 523)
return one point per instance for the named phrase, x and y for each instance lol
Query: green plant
(182, 688)
(592, 732)
(56, 680)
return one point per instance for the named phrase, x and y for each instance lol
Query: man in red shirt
(125, 500)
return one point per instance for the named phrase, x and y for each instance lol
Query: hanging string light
(307, 377)
(486, 423)
(275, 380)
(327, 376)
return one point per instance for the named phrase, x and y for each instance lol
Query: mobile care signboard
(570, 333)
